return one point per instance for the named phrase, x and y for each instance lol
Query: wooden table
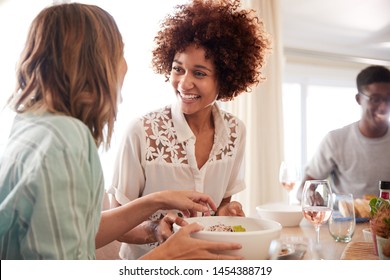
(330, 249)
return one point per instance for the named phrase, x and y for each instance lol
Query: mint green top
(51, 188)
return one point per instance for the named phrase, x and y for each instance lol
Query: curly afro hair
(233, 38)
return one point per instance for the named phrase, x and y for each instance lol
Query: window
(310, 111)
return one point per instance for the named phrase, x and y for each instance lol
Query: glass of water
(342, 222)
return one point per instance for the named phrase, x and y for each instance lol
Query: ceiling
(345, 28)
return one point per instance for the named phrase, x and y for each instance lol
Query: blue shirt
(51, 188)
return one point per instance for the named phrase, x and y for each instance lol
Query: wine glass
(288, 176)
(317, 204)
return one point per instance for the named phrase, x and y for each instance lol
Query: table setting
(341, 230)
(324, 226)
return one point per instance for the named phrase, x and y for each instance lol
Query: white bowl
(255, 240)
(286, 215)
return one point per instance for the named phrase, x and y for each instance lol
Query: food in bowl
(255, 240)
(285, 214)
(222, 227)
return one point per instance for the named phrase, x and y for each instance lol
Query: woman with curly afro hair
(208, 51)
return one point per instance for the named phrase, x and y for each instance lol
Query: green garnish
(238, 229)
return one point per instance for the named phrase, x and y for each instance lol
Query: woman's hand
(233, 208)
(164, 228)
(189, 202)
(122, 223)
(182, 246)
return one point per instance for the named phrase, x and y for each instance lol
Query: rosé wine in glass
(317, 215)
(289, 186)
(317, 203)
(288, 176)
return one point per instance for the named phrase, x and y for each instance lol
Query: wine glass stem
(288, 198)
(317, 228)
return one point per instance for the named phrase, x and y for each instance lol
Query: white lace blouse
(158, 153)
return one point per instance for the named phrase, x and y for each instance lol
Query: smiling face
(194, 80)
(375, 115)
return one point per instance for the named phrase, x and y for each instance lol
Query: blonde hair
(70, 65)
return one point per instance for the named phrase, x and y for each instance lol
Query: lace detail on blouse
(162, 144)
